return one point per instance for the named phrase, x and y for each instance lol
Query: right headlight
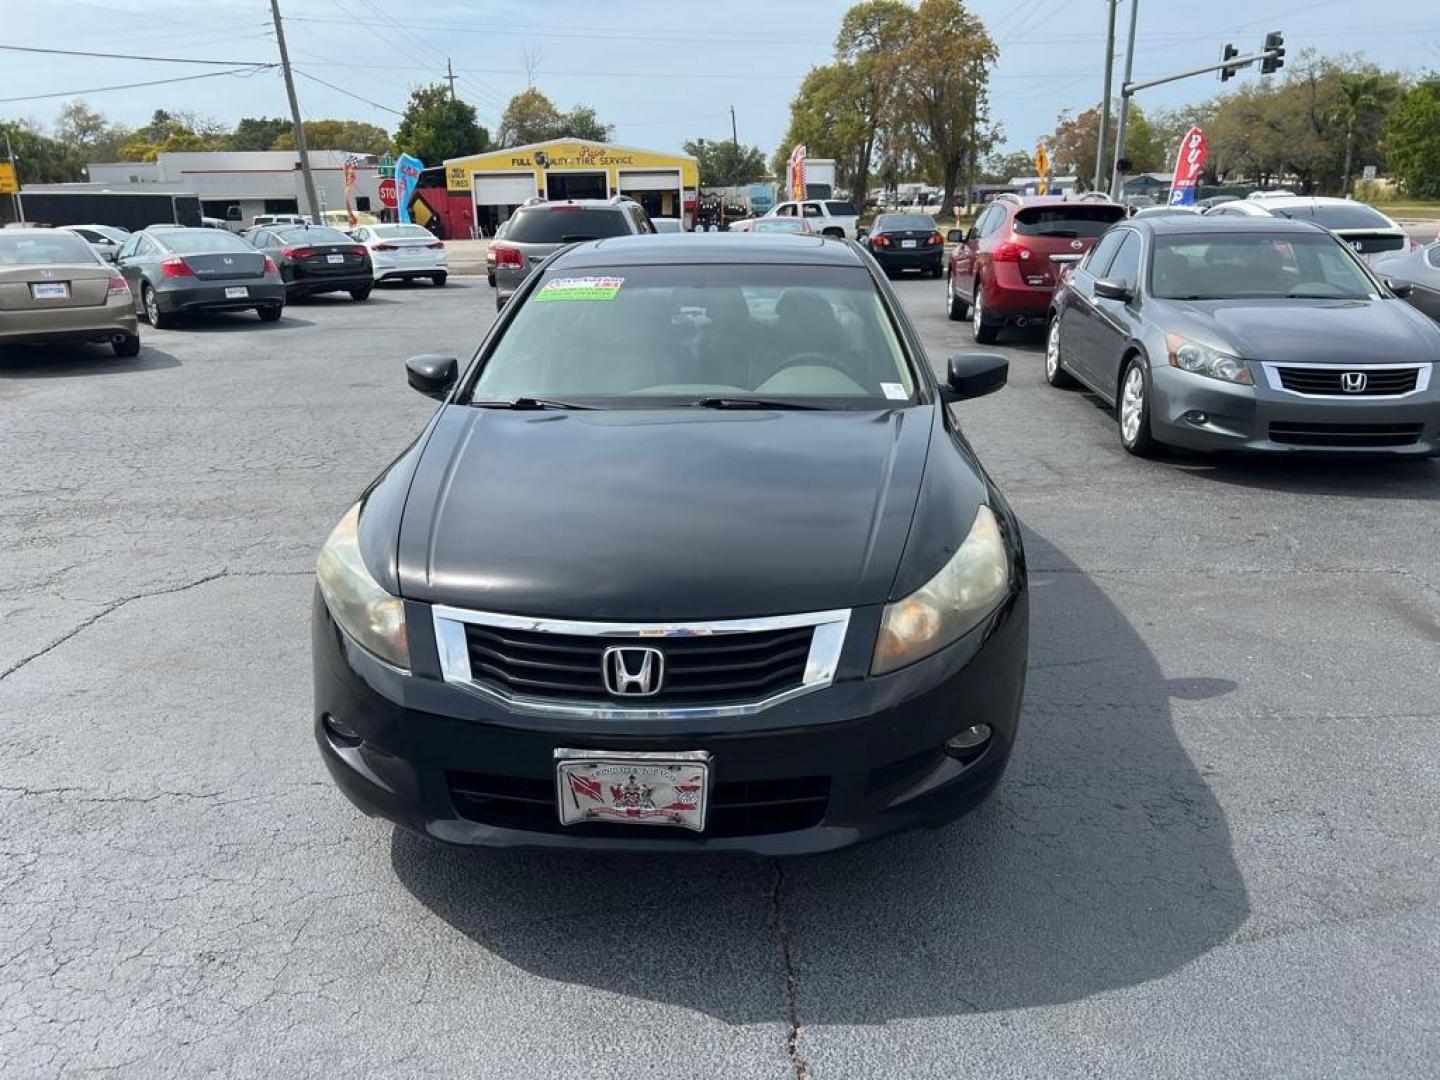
(367, 612)
(950, 604)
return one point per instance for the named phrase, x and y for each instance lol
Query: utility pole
(450, 77)
(1105, 106)
(1116, 182)
(734, 138)
(314, 203)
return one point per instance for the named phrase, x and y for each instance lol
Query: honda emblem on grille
(632, 671)
(1353, 382)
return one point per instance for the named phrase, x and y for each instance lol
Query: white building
(257, 182)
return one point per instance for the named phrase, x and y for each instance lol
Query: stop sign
(387, 192)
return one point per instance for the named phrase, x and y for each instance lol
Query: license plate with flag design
(670, 788)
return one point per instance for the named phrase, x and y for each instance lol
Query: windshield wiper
(750, 403)
(526, 403)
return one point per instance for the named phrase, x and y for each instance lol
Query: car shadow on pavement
(64, 361)
(1370, 477)
(1102, 861)
(228, 322)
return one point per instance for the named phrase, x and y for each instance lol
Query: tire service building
(494, 184)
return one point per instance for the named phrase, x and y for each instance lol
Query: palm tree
(1360, 95)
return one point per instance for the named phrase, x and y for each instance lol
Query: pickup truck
(828, 217)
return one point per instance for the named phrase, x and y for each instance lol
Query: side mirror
(973, 234)
(1401, 289)
(1111, 289)
(954, 236)
(973, 375)
(433, 375)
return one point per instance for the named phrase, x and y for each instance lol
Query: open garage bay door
(657, 190)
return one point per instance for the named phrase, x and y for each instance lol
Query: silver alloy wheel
(152, 306)
(1052, 350)
(977, 314)
(950, 297)
(1132, 405)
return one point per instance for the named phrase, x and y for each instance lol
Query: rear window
(904, 222)
(566, 224)
(402, 232)
(1080, 221)
(316, 235)
(202, 241)
(841, 209)
(1354, 216)
(58, 247)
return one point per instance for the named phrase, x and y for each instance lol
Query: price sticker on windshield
(580, 288)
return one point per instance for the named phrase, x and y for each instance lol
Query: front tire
(361, 294)
(153, 315)
(1055, 373)
(985, 333)
(129, 345)
(490, 278)
(1132, 410)
(956, 308)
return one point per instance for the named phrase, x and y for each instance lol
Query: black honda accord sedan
(692, 556)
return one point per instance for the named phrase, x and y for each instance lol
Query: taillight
(357, 250)
(435, 244)
(1010, 252)
(386, 247)
(880, 241)
(118, 286)
(175, 266)
(935, 238)
(505, 255)
(270, 267)
(297, 253)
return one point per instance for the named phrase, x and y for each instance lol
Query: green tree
(1362, 95)
(38, 158)
(167, 132)
(1412, 140)
(943, 76)
(353, 135)
(1002, 168)
(872, 36)
(531, 117)
(435, 127)
(724, 164)
(825, 117)
(582, 123)
(257, 133)
(88, 134)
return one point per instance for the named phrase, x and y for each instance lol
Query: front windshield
(1256, 265)
(667, 335)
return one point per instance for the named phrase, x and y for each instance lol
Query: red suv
(1006, 267)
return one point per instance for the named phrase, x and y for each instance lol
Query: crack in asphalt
(115, 605)
(792, 1009)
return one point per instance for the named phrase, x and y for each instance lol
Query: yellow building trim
(563, 155)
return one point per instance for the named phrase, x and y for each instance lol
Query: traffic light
(1275, 53)
(1227, 73)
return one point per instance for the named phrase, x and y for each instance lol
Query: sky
(661, 71)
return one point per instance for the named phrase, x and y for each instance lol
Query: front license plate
(907, 243)
(237, 292)
(50, 290)
(334, 258)
(633, 788)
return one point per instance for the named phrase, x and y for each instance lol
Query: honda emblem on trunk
(1077, 244)
(632, 671)
(1353, 382)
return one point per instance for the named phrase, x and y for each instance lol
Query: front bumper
(864, 756)
(212, 297)
(116, 318)
(1262, 418)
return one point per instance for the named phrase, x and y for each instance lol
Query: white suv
(828, 217)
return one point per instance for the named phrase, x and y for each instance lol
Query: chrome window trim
(820, 665)
(1422, 379)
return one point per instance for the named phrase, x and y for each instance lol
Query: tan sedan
(53, 288)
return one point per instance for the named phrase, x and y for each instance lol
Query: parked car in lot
(261, 220)
(1365, 229)
(906, 242)
(768, 602)
(54, 288)
(403, 252)
(1420, 269)
(539, 229)
(316, 259)
(1164, 211)
(793, 225)
(173, 270)
(667, 224)
(500, 232)
(105, 240)
(828, 217)
(1004, 269)
(1246, 333)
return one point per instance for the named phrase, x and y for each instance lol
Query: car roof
(600, 204)
(662, 249)
(1202, 223)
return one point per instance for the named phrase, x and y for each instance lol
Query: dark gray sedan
(1419, 268)
(173, 270)
(1245, 334)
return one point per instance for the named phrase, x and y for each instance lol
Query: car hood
(662, 514)
(1342, 331)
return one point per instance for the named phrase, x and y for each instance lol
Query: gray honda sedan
(1246, 334)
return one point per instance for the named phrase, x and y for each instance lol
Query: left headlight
(367, 612)
(950, 604)
(1201, 359)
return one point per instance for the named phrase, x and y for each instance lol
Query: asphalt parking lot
(1216, 852)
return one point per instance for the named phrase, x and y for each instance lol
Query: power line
(129, 56)
(347, 93)
(251, 69)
